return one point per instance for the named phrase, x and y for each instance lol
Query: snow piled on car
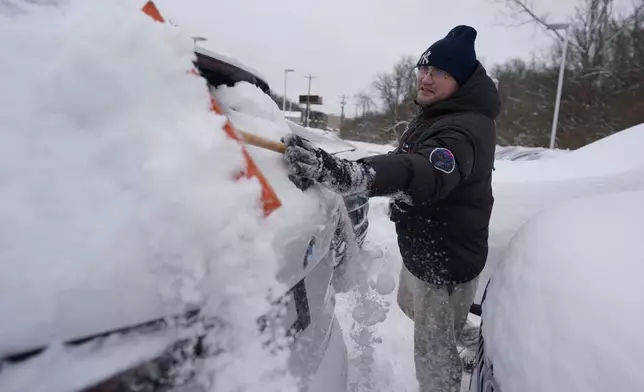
(118, 202)
(304, 213)
(604, 157)
(564, 309)
(518, 153)
(522, 189)
(364, 149)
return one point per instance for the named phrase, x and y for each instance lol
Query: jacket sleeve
(428, 174)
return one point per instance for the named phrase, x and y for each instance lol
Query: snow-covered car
(98, 320)
(221, 70)
(524, 188)
(319, 248)
(563, 311)
(515, 153)
(575, 212)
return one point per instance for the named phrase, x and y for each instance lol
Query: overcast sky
(344, 43)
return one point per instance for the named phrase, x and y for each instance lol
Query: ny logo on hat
(424, 59)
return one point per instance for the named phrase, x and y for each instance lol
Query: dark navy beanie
(453, 54)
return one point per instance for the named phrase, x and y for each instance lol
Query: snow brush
(262, 142)
(270, 201)
(269, 197)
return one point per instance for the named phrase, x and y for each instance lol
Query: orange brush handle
(269, 198)
(262, 142)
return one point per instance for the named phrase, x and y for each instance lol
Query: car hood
(522, 189)
(326, 140)
(86, 299)
(566, 300)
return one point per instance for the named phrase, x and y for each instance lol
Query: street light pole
(562, 69)
(308, 98)
(286, 71)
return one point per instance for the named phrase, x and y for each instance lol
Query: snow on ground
(379, 336)
(564, 309)
(118, 199)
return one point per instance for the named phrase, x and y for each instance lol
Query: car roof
(219, 69)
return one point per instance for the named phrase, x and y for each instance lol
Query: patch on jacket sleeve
(443, 160)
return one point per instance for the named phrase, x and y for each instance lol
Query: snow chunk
(369, 312)
(384, 283)
(249, 99)
(564, 310)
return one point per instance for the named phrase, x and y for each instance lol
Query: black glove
(308, 164)
(302, 183)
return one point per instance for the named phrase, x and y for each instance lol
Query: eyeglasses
(434, 73)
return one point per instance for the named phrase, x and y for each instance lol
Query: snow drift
(117, 199)
(564, 309)
(522, 189)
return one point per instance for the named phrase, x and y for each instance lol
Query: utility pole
(342, 103)
(286, 71)
(308, 99)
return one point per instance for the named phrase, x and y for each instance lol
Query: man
(439, 178)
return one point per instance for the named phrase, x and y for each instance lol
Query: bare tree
(405, 72)
(525, 12)
(385, 85)
(365, 103)
(397, 87)
(603, 83)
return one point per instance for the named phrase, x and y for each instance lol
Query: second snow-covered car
(563, 254)
(562, 310)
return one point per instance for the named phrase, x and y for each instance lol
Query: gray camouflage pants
(439, 314)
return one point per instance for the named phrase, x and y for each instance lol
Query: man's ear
(455, 88)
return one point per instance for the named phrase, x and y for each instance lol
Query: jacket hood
(477, 95)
